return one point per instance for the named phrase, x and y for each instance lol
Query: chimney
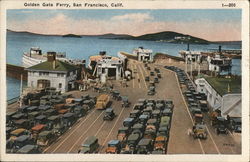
(51, 57)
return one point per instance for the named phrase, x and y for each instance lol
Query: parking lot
(168, 87)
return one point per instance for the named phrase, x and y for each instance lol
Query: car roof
(44, 107)
(144, 142)
(109, 110)
(128, 119)
(40, 117)
(53, 117)
(26, 149)
(113, 142)
(45, 133)
(133, 137)
(22, 138)
(68, 115)
(89, 141)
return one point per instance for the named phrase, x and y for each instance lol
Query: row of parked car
(34, 127)
(146, 130)
(153, 78)
(197, 103)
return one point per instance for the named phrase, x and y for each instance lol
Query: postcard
(125, 81)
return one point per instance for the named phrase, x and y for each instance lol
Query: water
(82, 48)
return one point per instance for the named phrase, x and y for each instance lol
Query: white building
(107, 67)
(52, 73)
(218, 64)
(143, 54)
(222, 93)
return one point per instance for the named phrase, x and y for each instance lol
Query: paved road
(168, 88)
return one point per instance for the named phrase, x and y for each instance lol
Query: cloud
(141, 17)
(133, 24)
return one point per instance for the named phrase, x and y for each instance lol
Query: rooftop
(48, 66)
(221, 85)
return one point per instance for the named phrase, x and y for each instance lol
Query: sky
(209, 24)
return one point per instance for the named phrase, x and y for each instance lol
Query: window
(60, 85)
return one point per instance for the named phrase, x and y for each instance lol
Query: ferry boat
(35, 56)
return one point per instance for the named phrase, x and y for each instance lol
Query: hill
(170, 37)
(72, 35)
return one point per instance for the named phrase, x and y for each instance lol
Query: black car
(109, 114)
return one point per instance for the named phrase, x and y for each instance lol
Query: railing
(13, 100)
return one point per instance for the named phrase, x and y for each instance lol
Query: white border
(156, 4)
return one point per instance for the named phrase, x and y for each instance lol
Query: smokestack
(220, 49)
(188, 47)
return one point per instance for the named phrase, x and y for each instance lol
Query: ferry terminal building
(53, 73)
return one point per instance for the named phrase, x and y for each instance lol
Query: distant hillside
(72, 35)
(170, 37)
(113, 36)
(29, 33)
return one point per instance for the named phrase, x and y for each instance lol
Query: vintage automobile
(41, 119)
(32, 108)
(102, 102)
(116, 95)
(79, 111)
(161, 143)
(167, 112)
(18, 116)
(235, 124)
(22, 123)
(142, 101)
(18, 132)
(29, 149)
(154, 122)
(36, 130)
(53, 121)
(145, 146)
(151, 90)
(21, 141)
(89, 146)
(203, 105)
(128, 122)
(147, 78)
(163, 131)
(45, 138)
(152, 73)
(131, 143)
(199, 131)
(138, 106)
(33, 115)
(69, 119)
(143, 119)
(150, 132)
(125, 102)
(159, 75)
(135, 113)
(114, 147)
(165, 121)
(156, 80)
(109, 114)
(138, 126)
(159, 106)
(122, 134)
(156, 114)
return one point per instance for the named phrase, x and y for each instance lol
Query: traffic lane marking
(85, 132)
(74, 129)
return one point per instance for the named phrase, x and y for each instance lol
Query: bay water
(82, 48)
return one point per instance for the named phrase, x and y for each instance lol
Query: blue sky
(169, 19)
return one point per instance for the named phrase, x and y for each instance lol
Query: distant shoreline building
(223, 94)
(53, 73)
(106, 67)
(143, 54)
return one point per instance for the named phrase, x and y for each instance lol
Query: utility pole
(21, 90)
